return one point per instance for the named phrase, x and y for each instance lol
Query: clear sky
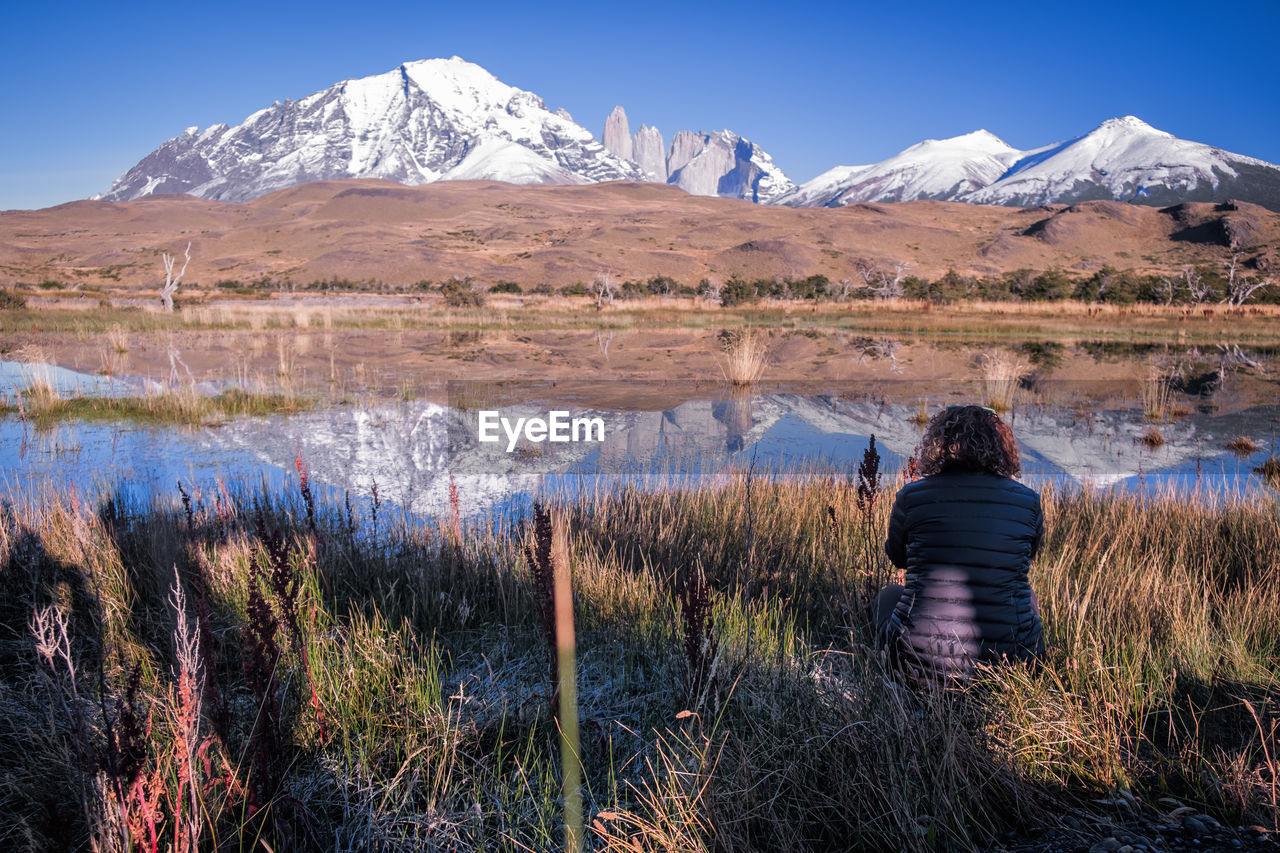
(89, 89)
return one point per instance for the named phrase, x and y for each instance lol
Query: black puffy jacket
(966, 540)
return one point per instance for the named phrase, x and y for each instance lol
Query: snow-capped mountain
(1123, 159)
(1126, 159)
(933, 169)
(432, 120)
(448, 119)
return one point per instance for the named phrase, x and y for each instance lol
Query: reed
(745, 356)
(1156, 393)
(1002, 373)
(184, 406)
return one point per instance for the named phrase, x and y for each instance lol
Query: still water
(416, 452)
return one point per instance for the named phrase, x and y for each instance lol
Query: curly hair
(968, 438)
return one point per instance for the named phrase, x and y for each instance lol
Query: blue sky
(90, 89)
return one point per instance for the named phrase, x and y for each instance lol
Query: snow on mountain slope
(1124, 159)
(430, 120)
(826, 189)
(933, 169)
(500, 160)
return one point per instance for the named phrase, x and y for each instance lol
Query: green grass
(412, 692)
(183, 408)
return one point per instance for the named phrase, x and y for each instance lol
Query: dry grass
(1270, 470)
(286, 356)
(964, 320)
(1242, 445)
(1156, 392)
(118, 339)
(745, 356)
(184, 406)
(409, 707)
(1002, 373)
(1152, 438)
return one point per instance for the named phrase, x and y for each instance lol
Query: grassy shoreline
(960, 320)
(43, 409)
(374, 679)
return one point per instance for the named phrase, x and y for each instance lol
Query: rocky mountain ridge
(448, 119)
(700, 163)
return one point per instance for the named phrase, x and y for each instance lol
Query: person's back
(965, 535)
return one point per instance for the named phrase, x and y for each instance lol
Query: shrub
(506, 287)
(813, 287)
(1051, 286)
(457, 293)
(661, 285)
(946, 289)
(11, 300)
(575, 289)
(736, 292)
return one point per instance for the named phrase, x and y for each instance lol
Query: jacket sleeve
(895, 545)
(1039, 535)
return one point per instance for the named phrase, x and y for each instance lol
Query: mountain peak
(1128, 123)
(980, 141)
(981, 136)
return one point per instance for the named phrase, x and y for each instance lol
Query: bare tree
(1235, 358)
(891, 288)
(867, 271)
(170, 280)
(1240, 289)
(605, 289)
(880, 282)
(1193, 281)
(1244, 289)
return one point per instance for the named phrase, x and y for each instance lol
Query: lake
(419, 453)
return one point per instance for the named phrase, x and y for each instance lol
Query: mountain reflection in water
(413, 451)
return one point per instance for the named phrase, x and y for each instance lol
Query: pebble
(1194, 825)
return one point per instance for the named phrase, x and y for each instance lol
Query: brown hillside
(369, 229)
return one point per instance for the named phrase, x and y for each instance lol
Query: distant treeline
(1109, 285)
(1191, 286)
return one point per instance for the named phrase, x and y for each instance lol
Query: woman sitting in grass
(965, 533)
